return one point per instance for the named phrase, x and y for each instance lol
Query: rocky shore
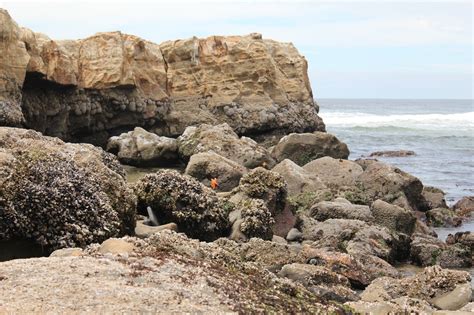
(261, 213)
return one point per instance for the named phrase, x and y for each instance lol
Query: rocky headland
(261, 213)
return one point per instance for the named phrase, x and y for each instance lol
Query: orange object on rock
(214, 183)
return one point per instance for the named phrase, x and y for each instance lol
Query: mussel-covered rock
(60, 194)
(181, 199)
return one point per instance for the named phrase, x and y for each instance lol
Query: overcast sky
(374, 49)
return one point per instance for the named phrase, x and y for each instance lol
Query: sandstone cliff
(89, 89)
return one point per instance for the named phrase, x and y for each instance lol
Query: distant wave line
(459, 121)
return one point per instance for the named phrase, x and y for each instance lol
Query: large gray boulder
(389, 183)
(224, 141)
(340, 210)
(334, 172)
(393, 217)
(302, 148)
(208, 165)
(142, 148)
(298, 179)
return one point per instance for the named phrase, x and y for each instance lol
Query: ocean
(440, 132)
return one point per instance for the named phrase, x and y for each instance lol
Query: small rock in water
(397, 153)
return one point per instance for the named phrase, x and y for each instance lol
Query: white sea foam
(458, 121)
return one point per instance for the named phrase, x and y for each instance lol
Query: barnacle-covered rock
(173, 197)
(266, 185)
(60, 194)
(257, 220)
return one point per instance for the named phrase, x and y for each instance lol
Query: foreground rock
(302, 148)
(60, 194)
(222, 140)
(208, 165)
(181, 199)
(93, 88)
(142, 148)
(442, 288)
(192, 277)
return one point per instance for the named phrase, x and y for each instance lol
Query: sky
(355, 49)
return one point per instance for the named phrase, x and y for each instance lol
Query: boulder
(181, 199)
(266, 185)
(465, 206)
(298, 179)
(438, 286)
(386, 182)
(393, 217)
(320, 280)
(257, 220)
(142, 148)
(443, 217)
(208, 165)
(427, 250)
(270, 255)
(224, 141)
(334, 172)
(60, 194)
(88, 89)
(339, 210)
(294, 235)
(303, 148)
(360, 270)
(434, 197)
(116, 246)
(455, 299)
(355, 237)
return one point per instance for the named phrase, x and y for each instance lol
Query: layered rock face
(90, 89)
